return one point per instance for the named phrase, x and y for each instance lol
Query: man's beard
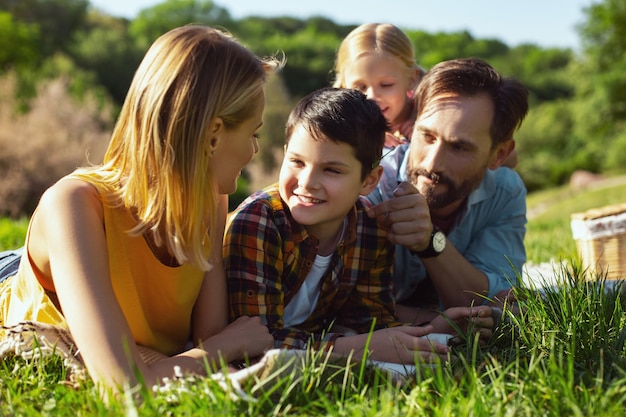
(454, 192)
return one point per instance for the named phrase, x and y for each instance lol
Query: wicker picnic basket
(600, 236)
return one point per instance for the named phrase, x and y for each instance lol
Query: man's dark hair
(470, 77)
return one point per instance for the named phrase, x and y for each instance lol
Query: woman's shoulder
(68, 204)
(68, 191)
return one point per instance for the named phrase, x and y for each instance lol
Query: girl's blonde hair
(373, 37)
(158, 163)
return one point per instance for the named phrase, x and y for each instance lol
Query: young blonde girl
(127, 254)
(379, 60)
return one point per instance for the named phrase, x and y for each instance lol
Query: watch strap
(430, 251)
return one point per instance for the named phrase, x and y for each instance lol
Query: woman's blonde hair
(158, 163)
(373, 37)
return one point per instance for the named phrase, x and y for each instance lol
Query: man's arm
(456, 280)
(480, 271)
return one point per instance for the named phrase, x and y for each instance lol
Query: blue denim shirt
(489, 232)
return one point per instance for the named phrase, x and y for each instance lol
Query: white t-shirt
(303, 303)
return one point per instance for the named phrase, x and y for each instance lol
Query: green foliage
(154, 21)
(57, 20)
(546, 132)
(309, 45)
(616, 159)
(18, 42)
(600, 103)
(105, 48)
(81, 83)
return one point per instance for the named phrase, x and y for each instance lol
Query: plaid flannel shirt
(268, 256)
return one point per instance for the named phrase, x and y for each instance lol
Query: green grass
(12, 233)
(549, 235)
(563, 356)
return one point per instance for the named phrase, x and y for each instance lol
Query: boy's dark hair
(342, 115)
(469, 77)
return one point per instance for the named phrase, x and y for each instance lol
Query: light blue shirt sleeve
(490, 235)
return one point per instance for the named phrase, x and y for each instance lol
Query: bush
(55, 135)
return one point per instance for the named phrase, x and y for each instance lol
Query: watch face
(439, 241)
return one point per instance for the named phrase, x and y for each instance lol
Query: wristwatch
(436, 245)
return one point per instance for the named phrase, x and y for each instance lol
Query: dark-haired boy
(303, 254)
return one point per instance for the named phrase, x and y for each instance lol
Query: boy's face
(320, 181)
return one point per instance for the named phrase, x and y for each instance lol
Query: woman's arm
(246, 336)
(68, 242)
(210, 313)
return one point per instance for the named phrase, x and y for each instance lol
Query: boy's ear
(501, 153)
(371, 180)
(216, 128)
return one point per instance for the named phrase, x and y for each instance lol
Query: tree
(57, 20)
(309, 46)
(18, 42)
(601, 85)
(105, 48)
(154, 21)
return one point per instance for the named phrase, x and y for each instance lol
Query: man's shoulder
(498, 187)
(507, 179)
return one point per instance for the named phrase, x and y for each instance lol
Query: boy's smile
(309, 200)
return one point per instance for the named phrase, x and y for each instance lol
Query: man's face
(451, 150)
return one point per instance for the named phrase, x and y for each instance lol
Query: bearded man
(457, 217)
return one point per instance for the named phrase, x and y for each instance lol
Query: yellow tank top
(157, 300)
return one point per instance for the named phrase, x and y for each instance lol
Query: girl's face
(320, 180)
(236, 148)
(385, 79)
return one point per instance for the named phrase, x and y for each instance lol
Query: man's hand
(406, 217)
(477, 319)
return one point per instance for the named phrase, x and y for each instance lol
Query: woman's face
(236, 148)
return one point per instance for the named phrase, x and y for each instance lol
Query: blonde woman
(127, 254)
